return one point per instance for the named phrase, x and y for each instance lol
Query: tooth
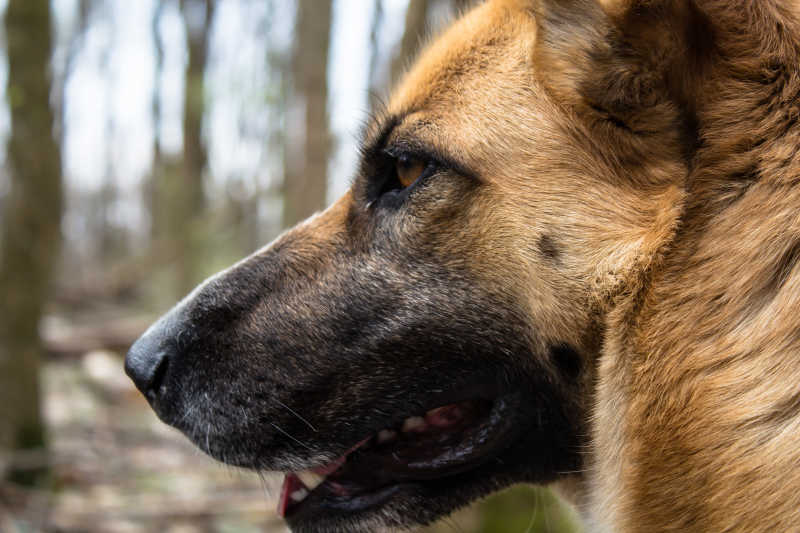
(385, 435)
(413, 423)
(299, 495)
(445, 416)
(435, 411)
(310, 479)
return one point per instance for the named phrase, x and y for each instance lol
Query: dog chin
(395, 507)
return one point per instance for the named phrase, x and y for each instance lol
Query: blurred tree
(415, 29)
(179, 188)
(171, 237)
(31, 231)
(197, 16)
(150, 186)
(308, 138)
(375, 85)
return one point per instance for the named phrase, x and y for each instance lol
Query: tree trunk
(150, 187)
(195, 157)
(376, 86)
(183, 191)
(308, 140)
(31, 230)
(415, 28)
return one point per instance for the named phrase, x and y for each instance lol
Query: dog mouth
(425, 448)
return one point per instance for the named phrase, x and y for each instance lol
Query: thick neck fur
(702, 379)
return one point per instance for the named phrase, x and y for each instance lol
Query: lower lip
(359, 503)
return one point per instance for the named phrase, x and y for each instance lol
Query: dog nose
(148, 360)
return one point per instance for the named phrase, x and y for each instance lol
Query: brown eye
(409, 169)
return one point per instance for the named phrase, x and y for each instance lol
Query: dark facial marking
(549, 248)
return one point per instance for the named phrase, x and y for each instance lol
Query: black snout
(165, 360)
(148, 361)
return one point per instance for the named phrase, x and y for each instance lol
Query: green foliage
(524, 509)
(519, 509)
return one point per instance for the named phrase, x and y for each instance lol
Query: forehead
(486, 47)
(473, 85)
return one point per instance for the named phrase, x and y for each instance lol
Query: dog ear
(627, 66)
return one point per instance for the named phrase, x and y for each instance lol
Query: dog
(569, 257)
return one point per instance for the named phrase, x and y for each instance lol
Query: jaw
(430, 465)
(431, 453)
(424, 464)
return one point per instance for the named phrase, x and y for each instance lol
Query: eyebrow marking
(427, 151)
(372, 145)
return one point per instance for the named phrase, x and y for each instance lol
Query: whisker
(301, 443)
(295, 413)
(567, 472)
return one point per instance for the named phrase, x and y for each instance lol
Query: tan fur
(674, 240)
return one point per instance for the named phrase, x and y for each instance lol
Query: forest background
(144, 145)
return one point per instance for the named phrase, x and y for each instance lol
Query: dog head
(432, 336)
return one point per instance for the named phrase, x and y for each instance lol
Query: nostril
(147, 363)
(156, 385)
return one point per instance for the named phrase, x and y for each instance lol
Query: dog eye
(397, 175)
(409, 169)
